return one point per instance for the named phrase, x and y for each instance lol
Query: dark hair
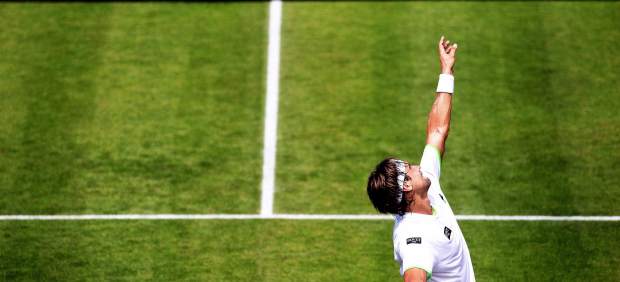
(383, 188)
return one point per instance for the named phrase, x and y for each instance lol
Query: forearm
(415, 275)
(438, 123)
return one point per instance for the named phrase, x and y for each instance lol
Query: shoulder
(410, 226)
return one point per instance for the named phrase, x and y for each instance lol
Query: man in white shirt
(428, 243)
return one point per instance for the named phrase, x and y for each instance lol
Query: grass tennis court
(282, 250)
(533, 125)
(159, 108)
(134, 108)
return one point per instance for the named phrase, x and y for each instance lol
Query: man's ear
(408, 185)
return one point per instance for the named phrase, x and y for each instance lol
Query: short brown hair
(383, 189)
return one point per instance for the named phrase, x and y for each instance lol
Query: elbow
(439, 131)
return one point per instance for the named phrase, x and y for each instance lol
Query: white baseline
(294, 217)
(271, 109)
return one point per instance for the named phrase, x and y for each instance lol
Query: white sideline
(293, 217)
(271, 109)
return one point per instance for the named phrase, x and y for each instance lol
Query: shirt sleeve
(414, 251)
(430, 165)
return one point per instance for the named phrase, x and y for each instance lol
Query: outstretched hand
(447, 55)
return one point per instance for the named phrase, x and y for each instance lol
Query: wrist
(447, 71)
(445, 83)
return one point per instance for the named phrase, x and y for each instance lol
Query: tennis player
(428, 243)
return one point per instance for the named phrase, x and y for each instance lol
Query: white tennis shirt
(435, 242)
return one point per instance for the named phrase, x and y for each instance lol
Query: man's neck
(421, 205)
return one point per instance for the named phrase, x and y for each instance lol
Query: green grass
(283, 250)
(131, 108)
(158, 108)
(534, 124)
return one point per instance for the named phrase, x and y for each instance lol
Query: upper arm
(430, 164)
(415, 275)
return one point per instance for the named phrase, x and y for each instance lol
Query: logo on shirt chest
(447, 232)
(414, 240)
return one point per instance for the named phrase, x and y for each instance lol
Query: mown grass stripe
(295, 217)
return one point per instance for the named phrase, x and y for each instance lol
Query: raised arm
(439, 117)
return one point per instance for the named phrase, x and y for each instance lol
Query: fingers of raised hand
(445, 47)
(442, 46)
(451, 50)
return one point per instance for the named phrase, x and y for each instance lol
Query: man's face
(415, 180)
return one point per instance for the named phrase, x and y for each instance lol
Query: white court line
(271, 109)
(294, 217)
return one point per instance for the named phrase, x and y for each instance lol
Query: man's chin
(427, 181)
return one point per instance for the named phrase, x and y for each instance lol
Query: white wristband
(446, 83)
